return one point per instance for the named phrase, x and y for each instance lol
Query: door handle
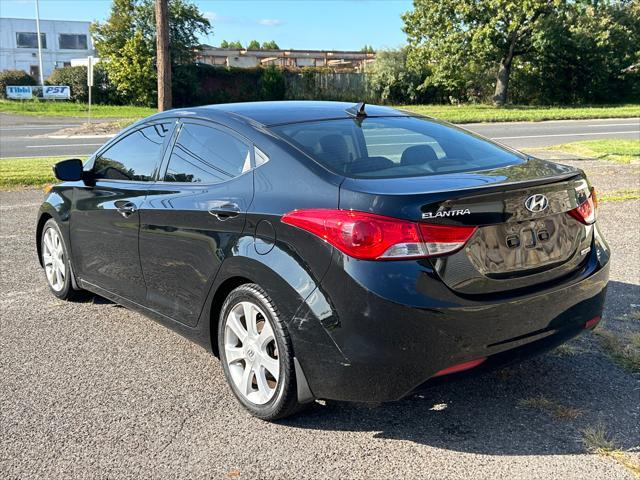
(126, 208)
(225, 211)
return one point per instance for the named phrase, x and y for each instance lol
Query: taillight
(367, 236)
(586, 211)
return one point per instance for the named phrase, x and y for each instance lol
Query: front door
(105, 219)
(192, 219)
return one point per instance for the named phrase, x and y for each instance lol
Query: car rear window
(385, 147)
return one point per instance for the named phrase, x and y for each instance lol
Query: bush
(202, 84)
(76, 78)
(392, 80)
(14, 77)
(272, 86)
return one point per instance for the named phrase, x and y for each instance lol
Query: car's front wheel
(55, 261)
(256, 354)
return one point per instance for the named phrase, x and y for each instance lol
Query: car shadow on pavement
(539, 407)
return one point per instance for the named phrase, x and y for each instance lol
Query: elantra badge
(536, 203)
(448, 213)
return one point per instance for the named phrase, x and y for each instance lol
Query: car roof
(282, 112)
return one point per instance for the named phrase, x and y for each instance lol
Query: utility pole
(163, 57)
(39, 44)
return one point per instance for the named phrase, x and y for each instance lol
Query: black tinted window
(207, 155)
(30, 40)
(395, 147)
(73, 41)
(135, 157)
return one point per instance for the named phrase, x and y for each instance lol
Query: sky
(299, 24)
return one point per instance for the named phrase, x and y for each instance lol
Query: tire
(251, 353)
(55, 261)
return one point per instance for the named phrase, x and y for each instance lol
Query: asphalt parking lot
(92, 390)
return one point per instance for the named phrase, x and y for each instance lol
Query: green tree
(462, 39)
(253, 45)
(186, 22)
(367, 49)
(133, 72)
(392, 81)
(271, 45)
(127, 39)
(224, 44)
(235, 45)
(582, 56)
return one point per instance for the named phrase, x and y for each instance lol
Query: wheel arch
(221, 293)
(284, 279)
(42, 219)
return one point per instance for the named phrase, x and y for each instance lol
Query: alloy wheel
(53, 259)
(251, 352)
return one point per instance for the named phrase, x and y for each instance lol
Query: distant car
(325, 250)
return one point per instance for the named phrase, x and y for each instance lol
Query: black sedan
(325, 250)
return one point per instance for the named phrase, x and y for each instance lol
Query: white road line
(66, 145)
(68, 155)
(36, 127)
(71, 137)
(568, 135)
(615, 125)
(547, 122)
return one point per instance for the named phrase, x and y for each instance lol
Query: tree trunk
(163, 56)
(502, 81)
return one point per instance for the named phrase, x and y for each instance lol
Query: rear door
(105, 218)
(194, 217)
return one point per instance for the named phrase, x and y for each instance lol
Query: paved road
(92, 390)
(542, 134)
(23, 136)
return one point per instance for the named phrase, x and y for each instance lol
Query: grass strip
(27, 172)
(521, 113)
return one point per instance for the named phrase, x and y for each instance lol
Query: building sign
(19, 92)
(61, 92)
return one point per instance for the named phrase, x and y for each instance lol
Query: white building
(62, 40)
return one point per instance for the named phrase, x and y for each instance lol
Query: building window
(34, 71)
(73, 41)
(30, 40)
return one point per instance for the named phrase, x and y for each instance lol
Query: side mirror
(68, 170)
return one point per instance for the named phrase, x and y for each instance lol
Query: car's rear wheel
(256, 354)
(55, 261)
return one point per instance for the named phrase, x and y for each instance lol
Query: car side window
(204, 154)
(136, 157)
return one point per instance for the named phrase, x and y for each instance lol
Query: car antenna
(357, 112)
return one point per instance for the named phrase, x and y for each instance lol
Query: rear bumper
(392, 326)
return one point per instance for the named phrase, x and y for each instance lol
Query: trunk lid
(514, 246)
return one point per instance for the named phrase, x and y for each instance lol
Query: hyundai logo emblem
(536, 203)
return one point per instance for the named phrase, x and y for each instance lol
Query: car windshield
(385, 147)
